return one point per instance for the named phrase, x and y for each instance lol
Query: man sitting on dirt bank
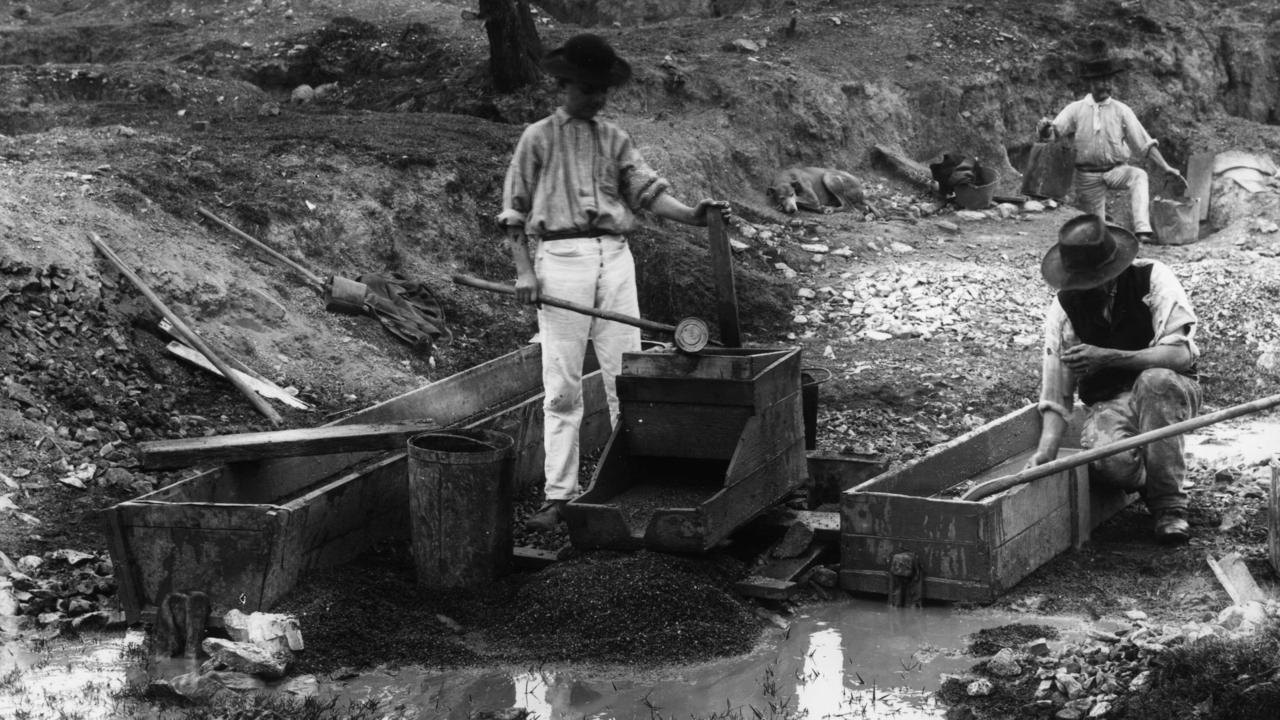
(573, 188)
(1106, 130)
(1121, 332)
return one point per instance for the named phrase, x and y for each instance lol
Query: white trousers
(1091, 193)
(600, 273)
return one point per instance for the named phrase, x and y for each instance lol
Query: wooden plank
(261, 387)
(126, 573)
(951, 571)
(773, 430)
(963, 457)
(240, 447)
(686, 365)
(688, 431)
(524, 557)
(1236, 579)
(1200, 180)
(791, 568)
(1037, 544)
(825, 525)
(902, 517)
(1273, 519)
(722, 273)
(766, 588)
(693, 391)
(830, 475)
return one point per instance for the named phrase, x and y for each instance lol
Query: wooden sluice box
(245, 532)
(705, 442)
(970, 550)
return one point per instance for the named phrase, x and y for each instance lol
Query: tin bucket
(1176, 222)
(977, 196)
(460, 506)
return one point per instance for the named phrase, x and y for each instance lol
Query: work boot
(547, 518)
(1172, 527)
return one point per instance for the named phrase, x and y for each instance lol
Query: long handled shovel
(690, 334)
(1000, 484)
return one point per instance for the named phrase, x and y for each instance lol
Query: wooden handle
(641, 323)
(722, 271)
(185, 332)
(1000, 484)
(311, 278)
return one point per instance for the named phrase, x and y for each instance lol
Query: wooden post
(722, 270)
(185, 332)
(1200, 180)
(1273, 525)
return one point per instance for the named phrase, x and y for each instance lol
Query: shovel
(690, 334)
(340, 294)
(1000, 484)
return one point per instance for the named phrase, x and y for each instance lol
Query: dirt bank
(121, 118)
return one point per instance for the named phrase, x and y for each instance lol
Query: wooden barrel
(460, 506)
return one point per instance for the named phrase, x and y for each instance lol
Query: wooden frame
(245, 532)
(967, 550)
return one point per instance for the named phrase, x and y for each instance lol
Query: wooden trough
(706, 441)
(966, 550)
(244, 532)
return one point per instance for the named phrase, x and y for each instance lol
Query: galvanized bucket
(1176, 222)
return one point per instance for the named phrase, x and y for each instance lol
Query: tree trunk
(515, 50)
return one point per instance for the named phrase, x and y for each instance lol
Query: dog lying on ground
(817, 189)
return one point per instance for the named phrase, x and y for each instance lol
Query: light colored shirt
(1105, 132)
(569, 174)
(1172, 320)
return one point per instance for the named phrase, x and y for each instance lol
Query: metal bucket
(977, 196)
(460, 506)
(1176, 222)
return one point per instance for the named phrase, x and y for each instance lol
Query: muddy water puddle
(850, 659)
(61, 678)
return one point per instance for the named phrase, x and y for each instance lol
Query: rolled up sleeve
(522, 174)
(1057, 382)
(1172, 318)
(639, 183)
(1134, 134)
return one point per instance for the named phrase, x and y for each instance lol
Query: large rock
(246, 658)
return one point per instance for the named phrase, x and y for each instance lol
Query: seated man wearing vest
(1121, 334)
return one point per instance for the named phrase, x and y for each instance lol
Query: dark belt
(567, 234)
(1097, 168)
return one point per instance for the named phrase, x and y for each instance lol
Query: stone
(971, 215)
(1135, 615)
(303, 686)
(275, 631)
(1035, 206)
(981, 687)
(1038, 647)
(815, 248)
(1100, 709)
(245, 657)
(948, 226)
(302, 94)
(1004, 664)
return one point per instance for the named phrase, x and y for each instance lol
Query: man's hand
(1039, 458)
(527, 288)
(1084, 359)
(705, 206)
(1044, 128)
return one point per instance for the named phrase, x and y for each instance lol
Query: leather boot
(547, 518)
(1171, 526)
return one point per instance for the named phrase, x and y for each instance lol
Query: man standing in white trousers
(571, 194)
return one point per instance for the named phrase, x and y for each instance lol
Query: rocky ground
(122, 118)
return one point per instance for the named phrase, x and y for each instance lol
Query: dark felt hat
(1089, 252)
(587, 59)
(1098, 63)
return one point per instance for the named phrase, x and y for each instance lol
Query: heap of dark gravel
(644, 607)
(640, 608)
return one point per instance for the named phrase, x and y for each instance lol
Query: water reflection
(854, 659)
(65, 678)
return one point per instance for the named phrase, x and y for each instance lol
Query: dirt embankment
(121, 118)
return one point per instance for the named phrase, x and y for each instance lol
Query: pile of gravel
(644, 607)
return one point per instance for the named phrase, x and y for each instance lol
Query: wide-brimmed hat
(587, 59)
(1097, 62)
(1089, 252)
